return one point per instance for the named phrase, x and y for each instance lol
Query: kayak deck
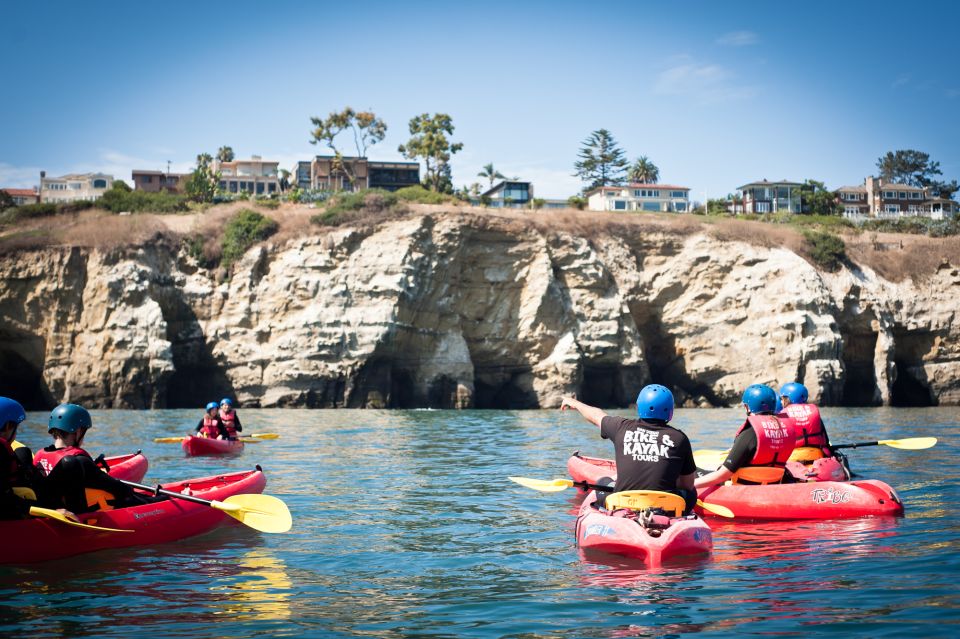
(194, 446)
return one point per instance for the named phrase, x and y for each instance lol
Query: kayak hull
(194, 446)
(131, 467)
(36, 539)
(803, 500)
(625, 536)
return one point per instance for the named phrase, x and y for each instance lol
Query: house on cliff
(22, 196)
(877, 198)
(74, 187)
(325, 173)
(664, 198)
(767, 197)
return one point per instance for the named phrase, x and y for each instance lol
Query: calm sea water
(406, 526)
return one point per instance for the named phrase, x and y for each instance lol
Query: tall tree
(202, 184)
(429, 141)
(816, 199)
(225, 154)
(643, 171)
(908, 167)
(601, 162)
(491, 174)
(366, 127)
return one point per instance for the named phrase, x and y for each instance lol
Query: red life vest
(228, 420)
(47, 460)
(809, 426)
(209, 428)
(775, 439)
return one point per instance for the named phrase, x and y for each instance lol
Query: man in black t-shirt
(650, 454)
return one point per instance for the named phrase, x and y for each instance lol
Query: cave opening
(602, 386)
(21, 378)
(860, 381)
(504, 390)
(911, 387)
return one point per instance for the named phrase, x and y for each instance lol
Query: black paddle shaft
(857, 445)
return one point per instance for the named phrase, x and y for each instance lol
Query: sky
(716, 94)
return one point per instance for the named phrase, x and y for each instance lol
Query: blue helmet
(11, 411)
(227, 401)
(69, 418)
(212, 405)
(655, 402)
(760, 398)
(779, 405)
(796, 392)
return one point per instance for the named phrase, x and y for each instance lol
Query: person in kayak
(229, 418)
(650, 454)
(16, 465)
(73, 479)
(763, 444)
(813, 443)
(211, 425)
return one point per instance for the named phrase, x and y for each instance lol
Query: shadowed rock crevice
(911, 386)
(21, 372)
(859, 337)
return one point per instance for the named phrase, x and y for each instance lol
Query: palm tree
(643, 171)
(491, 174)
(225, 154)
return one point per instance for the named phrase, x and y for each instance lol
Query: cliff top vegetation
(827, 242)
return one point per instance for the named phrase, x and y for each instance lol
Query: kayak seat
(644, 499)
(806, 454)
(757, 475)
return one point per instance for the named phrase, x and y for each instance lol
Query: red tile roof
(20, 192)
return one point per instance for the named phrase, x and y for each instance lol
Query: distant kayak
(33, 540)
(631, 534)
(130, 467)
(805, 500)
(193, 446)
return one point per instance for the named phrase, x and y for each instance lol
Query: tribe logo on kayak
(646, 445)
(829, 496)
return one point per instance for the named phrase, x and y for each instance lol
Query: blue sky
(715, 93)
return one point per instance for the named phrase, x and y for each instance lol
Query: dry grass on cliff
(897, 257)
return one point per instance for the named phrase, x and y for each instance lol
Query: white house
(666, 198)
(74, 187)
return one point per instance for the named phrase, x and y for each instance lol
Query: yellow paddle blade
(264, 436)
(261, 512)
(709, 459)
(913, 443)
(15, 445)
(167, 440)
(552, 486)
(716, 509)
(53, 514)
(249, 440)
(25, 493)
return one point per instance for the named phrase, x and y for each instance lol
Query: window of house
(763, 207)
(619, 205)
(146, 179)
(651, 206)
(903, 195)
(260, 186)
(892, 208)
(680, 194)
(99, 184)
(680, 206)
(271, 188)
(889, 195)
(915, 195)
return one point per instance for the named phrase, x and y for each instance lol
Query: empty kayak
(131, 467)
(208, 446)
(804, 500)
(33, 540)
(653, 539)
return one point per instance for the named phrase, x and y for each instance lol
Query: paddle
(911, 443)
(249, 439)
(260, 512)
(53, 514)
(557, 485)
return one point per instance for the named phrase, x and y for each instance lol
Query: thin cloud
(902, 80)
(738, 39)
(953, 93)
(19, 177)
(701, 82)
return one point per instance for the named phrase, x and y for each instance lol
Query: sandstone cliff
(461, 310)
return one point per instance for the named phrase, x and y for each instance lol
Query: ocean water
(406, 526)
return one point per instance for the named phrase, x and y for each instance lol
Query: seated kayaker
(650, 454)
(763, 444)
(813, 443)
(210, 425)
(73, 479)
(229, 418)
(19, 483)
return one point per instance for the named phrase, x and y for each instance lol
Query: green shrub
(120, 198)
(826, 249)
(577, 202)
(914, 226)
(345, 207)
(242, 231)
(421, 195)
(272, 205)
(41, 209)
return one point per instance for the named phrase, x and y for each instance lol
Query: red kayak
(631, 534)
(40, 539)
(806, 500)
(131, 467)
(193, 446)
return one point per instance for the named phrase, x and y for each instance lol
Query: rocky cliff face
(453, 310)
